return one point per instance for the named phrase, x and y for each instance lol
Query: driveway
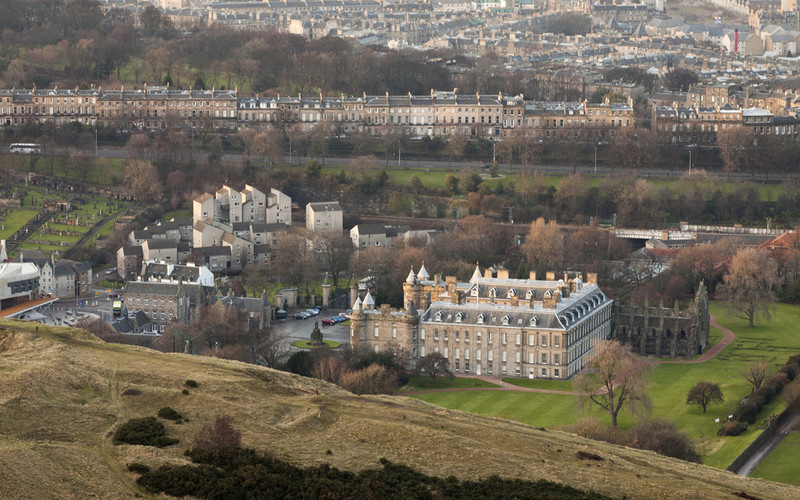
(300, 329)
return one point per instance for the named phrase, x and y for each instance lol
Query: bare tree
(268, 145)
(615, 377)
(434, 365)
(272, 350)
(142, 180)
(750, 285)
(456, 146)
(334, 251)
(756, 373)
(544, 246)
(735, 148)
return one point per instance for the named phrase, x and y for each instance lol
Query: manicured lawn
(553, 385)
(11, 223)
(306, 344)
(782, 463)
(773, 341)
(423, 383)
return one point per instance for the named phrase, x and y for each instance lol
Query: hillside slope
(61, 396)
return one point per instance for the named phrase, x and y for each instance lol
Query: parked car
(301, 315)
(344, 315)
(328, 321)
(312, 312)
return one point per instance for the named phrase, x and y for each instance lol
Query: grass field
(435, 178)
(64, 393)
(423, 383)
(773, 341)
(11, 223)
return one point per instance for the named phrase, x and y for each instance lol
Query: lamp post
(595, 159)
(690, 161)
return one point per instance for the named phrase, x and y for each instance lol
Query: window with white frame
(544, 358)
(530, 358)
(478, 337)
(544, 340)
(478, 355)
(556, 359)
(375, 330)
(422, 351)
(489, 356)
(556, 340)
(503, 338)
(445, 354)
(422, 333)
(503, 356)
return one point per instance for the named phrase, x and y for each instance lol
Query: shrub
(131, 392)
(663, 438)
(219, 435)
(374, 379)
(169, 414)
(138, 468)
(145, 431)
(185, 392)
(243, 473)
(191, 383)
(732, 428)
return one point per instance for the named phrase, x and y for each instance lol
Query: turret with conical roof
(423, 275)
(411, 277)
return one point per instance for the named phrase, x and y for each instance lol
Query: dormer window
(438, 316)
(506, 319)
(511, 293)
(459, 317)
(534, 321)
(481, 318)
(493, 292)
(474, 291)
(548, 295)
(529, 295)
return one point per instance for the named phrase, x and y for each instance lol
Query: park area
(772, 341)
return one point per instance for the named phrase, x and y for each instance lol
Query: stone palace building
(492, 324)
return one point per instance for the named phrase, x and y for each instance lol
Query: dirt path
(727, 337)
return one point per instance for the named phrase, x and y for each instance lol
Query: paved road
(661, 173)
(769, 445)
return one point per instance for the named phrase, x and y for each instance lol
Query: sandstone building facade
(492, 324)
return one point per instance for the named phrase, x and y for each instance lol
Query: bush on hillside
(659, 436)
(219, 435)
(244, 473)
(191, 383)
(145, 431)
(169, 414)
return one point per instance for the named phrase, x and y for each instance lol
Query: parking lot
(300, 329)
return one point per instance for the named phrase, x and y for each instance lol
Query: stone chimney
(533, 275)
(487, 273)
(502, 274)
(452, 289)
(550, 276)
(591, 278)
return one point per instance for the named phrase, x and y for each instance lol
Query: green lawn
(11, 223)
(553, 385)
(424, 383)
(781, 464)
(773, 341)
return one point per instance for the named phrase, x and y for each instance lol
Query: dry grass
(60, 399)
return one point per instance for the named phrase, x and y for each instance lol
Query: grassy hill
(62, 395)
